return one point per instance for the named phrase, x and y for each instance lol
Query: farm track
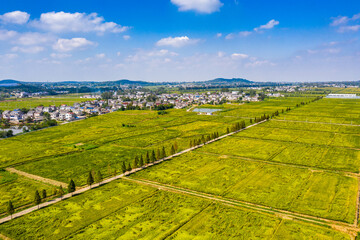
(109, 214)
(87, 188)
(37, 178)
(356, 222)
(345, 173)
(285, 214)
(186, 222)
(294, 142)
(307, 130)
(340, 124)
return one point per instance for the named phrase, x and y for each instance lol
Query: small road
(38, 178)
(84, 189)
(348, 228)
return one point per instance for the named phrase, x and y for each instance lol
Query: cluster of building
(61, 113)
(27, 94)
(138, 100)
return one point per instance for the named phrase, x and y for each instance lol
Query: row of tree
(236, 127)
(203, 139)
(150, 157)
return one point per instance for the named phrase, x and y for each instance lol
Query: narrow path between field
(341, 124)
(256, 207)
(36, 177)
(356, 221)
(84, 189)
(311, 168)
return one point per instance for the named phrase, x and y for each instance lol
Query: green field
(28, 103)
(131, 211)
(102, 143)
(261, 183)
(328, 110)
(19, 190)
(299, 167)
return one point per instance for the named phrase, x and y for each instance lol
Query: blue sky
(180, 40)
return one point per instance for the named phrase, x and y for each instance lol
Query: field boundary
(253, 206)
(84, 189)
(341, 124)
(36, 177)
(311, 168)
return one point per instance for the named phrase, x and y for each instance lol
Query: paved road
(84, 189)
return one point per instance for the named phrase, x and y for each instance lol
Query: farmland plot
(131, 211)
(282, 187)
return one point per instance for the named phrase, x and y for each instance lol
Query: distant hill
(131, 82)
(229, 81)
(9, 83)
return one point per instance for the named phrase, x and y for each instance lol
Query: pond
(206, 110)
(16, 130)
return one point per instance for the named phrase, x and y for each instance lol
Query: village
(139, 100)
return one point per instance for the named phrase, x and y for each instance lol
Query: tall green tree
(71, 186)
(90, 179)
(123, 167)
(158, 154)
(129, 167)
(44, 195)
(37, 198)
(172, 150)
(61, 192)
(98, 176)
(147, 159)
(153, 158)
(163, 152)
(136, 162)
(10, 209)
(141, 161)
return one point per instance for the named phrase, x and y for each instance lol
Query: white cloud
(259, 63)
(245, 33)
(220, 54)
(100, 55)
(60, 55)
(76, 22)
(66, 45)
(342, 20)
(118, 54)
(344, 23)
(237, 56)
(269, 25)
(9, 56)
(230, 36)
(162, 52)
(148, 55)
(15, 17)
(219, 35)
(32, 49)
(353, 28)
(33, 38)
(176, 41)
(5, 34)
(126, 37)
(201, 6)
(339, 21)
